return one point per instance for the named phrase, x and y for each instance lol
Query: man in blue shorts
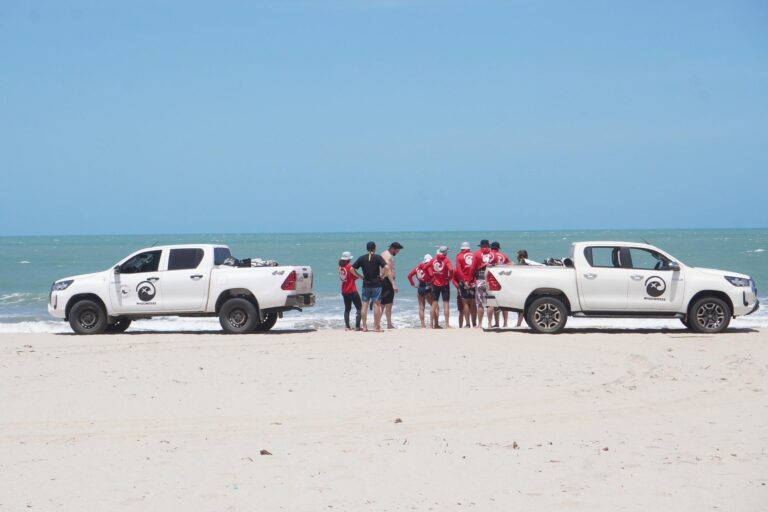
(372, 265)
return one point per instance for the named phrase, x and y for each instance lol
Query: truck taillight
(290, 281)
(493, 284)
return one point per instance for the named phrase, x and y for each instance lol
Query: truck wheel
(270, 319)
(710, 315)
(87, 317)
(238, 316)
(546, 315)
(119, 325)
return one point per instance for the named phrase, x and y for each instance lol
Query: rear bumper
(303, 300)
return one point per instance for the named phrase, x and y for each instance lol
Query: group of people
(434, 276)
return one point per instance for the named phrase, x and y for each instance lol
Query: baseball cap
(427, 258)
(396, 245)
(346, 255)
(495, 245)
(484, 243)
(464, 245)
(443, 249)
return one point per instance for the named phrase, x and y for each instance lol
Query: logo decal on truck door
(146, 291)
(655, 286)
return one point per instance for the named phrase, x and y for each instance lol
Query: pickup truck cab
(621, 279)
(182, 280)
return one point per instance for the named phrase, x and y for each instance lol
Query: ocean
(28, 266)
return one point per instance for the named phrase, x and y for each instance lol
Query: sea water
(28, 266)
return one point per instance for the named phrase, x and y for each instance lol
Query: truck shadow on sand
(595, 330)
(194, 333)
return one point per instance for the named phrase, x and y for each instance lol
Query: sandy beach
(401, 420)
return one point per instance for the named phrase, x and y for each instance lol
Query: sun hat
(464, 245)
(346, 255)
(443, 249)
(427, 258)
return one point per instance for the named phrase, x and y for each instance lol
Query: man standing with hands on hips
(388, 285)
(372, 265)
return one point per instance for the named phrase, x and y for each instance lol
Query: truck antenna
(646, 241)
(154, 244)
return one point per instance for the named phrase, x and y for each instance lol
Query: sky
(381, 115)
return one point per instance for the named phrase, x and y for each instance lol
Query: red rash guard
(347, 279)
(499, 257)
(420, 272)
(440, 270)
(480, 260)
(463, 262)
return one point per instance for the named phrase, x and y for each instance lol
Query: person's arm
(411, 274)
(354, 273)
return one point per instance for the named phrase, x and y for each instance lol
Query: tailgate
(304, 279)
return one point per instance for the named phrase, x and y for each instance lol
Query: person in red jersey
(347, 275)
(440, 272)
(499, 258)
(423, 292)
(466, 292)
(476, 275)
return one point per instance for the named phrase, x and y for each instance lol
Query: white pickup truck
(621, 279)
(182, 280)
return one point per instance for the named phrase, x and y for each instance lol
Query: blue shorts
(371, 294)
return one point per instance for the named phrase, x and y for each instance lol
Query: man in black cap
(388, 285)
(476, 276)
(372, 265)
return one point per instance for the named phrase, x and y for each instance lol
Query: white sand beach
(401, 420)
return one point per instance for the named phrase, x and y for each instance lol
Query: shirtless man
(388, 285)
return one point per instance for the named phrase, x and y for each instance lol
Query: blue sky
(374, 115)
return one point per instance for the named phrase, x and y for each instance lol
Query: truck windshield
(220, 254)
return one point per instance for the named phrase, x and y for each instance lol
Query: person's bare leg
(420, 298)
(460, 305)
(473, 312)
(505, 316)
(377, 315)
(434, 314)
(480, 311)
(496, 318)
(364, 316)
(388, 313)
(519, 319)
(489, 314)
(447, 312)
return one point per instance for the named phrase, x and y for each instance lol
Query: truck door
(652, 285)
(603, 283)
(185, 281)
(135, 285)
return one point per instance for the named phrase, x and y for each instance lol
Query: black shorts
(445, 291)
(387, 292)
(424, 289)
(466, 292)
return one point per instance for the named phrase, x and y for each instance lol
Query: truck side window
(182, 259)
(145, 262)
(643, 259)
(220, 254)
(607, 257)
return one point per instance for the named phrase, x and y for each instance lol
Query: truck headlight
(739, 281)
(61, 285)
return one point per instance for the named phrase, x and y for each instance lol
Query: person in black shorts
(388, 284)
(372, 265)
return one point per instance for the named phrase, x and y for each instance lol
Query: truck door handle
(196, 276)
(636, 277)
(590, 276)
(153, 279)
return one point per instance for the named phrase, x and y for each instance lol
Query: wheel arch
(84, 296)
(709, 293)
(232, 293)
(548, 292)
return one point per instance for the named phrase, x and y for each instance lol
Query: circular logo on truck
(655, 286)
(146, 291)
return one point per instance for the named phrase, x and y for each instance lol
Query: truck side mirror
(674, 266)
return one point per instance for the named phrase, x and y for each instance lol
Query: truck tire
(119, 325)
(709, 315)
(270, 319)
(546, 315)
(238, 316)
(87, 317)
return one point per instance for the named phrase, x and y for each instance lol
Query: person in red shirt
(476, 276)
(468, 309)
(347, 275)
(499, 258)
(440, 272)
(423, 293)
